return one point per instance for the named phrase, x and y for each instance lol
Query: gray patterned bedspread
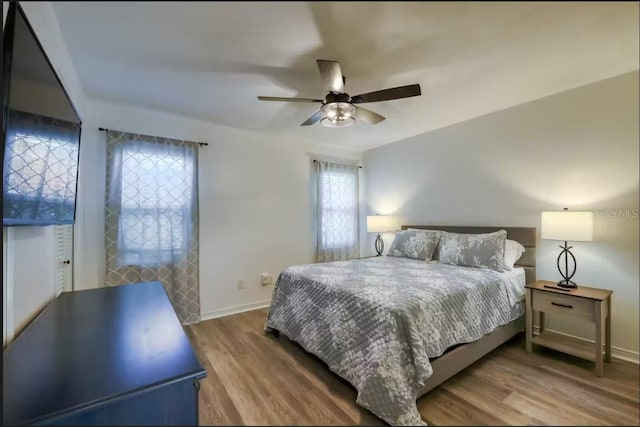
(377, 321)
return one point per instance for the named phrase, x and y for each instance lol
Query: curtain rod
(360, 167)
(201, 144)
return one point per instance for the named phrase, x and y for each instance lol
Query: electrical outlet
(240, 284)
(267, 279)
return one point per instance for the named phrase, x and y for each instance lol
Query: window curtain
(39, 174)
(151, 216)
(336, 219)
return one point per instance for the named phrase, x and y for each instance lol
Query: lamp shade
(380, 223)
(575, 226)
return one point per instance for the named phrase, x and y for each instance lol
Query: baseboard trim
(626, 355)
(616, 352)
(236, 309)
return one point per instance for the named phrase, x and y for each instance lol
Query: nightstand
(583, 304)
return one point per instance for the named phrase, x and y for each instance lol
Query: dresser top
(580, 291)
(88, 347)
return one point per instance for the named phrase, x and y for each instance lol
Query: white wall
(577, 149)
(255, 211)
(28, 252)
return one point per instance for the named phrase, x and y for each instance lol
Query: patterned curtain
(39, 173)
(336, 220)
(151, 229)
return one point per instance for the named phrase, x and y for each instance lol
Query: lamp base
(567, 284)
(379, 245)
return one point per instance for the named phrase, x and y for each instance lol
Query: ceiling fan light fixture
(338, 122)
(338, 114)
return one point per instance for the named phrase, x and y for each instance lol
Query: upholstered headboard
(526, 236)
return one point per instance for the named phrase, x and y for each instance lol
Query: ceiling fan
(338, 109)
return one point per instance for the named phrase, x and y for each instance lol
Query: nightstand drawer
(563, 304)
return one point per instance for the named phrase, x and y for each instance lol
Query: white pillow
(512, 253)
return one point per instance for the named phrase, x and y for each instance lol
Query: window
(155, 200)
(337, 211)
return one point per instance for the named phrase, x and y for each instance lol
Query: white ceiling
(211, 60)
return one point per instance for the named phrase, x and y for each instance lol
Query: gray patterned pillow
(436, 253)
(417, 244)
(474, 250)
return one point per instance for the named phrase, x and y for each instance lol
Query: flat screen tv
(41, 132)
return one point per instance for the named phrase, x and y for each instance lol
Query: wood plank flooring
(257, 379)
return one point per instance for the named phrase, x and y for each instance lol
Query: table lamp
(380, 224)
(575, 226)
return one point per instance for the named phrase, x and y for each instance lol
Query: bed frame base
(460, 357)
(455, 360)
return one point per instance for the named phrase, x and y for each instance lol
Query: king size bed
(396, 327)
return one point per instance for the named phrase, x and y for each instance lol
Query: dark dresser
(109, 356)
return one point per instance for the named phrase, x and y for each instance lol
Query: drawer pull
(561, 305)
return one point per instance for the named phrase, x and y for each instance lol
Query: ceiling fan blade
(388, 94)
(331, 75)
(277, 98)
(313, 119)
(368, 116)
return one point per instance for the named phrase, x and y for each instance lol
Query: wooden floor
(256, 379)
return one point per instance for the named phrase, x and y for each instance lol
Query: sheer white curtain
(336, 219)
(151, 228)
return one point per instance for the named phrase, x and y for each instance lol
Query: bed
(395, 328)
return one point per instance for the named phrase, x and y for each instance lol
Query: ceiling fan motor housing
(337, 97)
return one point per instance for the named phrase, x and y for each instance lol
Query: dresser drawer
(563, 304)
